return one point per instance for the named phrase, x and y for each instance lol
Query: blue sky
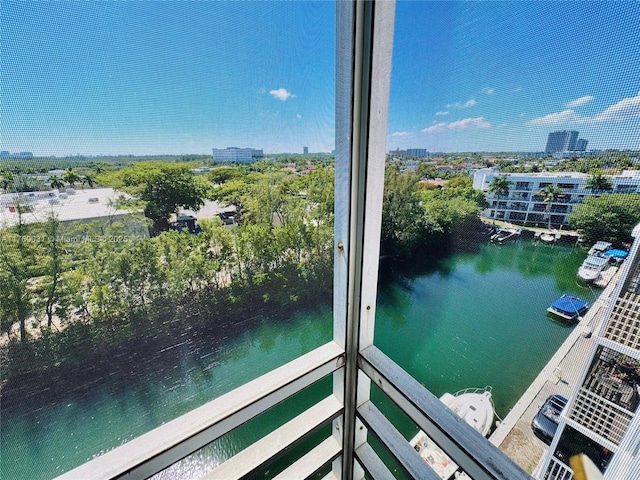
(147, 77)
(499, 76)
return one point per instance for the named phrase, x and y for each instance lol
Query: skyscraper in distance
(561, 141)
(305, 150)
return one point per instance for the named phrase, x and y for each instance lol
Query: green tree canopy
(609, 218)
(71, 177)
(598, 183)
(164, 187)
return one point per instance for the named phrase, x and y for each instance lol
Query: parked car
(545, 422)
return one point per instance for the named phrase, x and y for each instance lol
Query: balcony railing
(160, 448)
(558, 471)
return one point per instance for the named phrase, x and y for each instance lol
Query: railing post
(372, 48)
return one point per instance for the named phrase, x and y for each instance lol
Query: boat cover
(617, 253)
(569, 305)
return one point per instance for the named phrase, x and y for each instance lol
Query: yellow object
(583, 468)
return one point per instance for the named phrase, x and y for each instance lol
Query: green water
(477, 319)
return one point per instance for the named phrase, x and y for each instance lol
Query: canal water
(473, 320)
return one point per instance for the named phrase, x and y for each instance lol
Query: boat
(475, 407)
(599, 248)
(504, 235)
(616, 255)
(568, 307)
(547, 237)
(590, 269)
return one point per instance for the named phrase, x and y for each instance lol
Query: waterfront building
(237, 155)
(601, 417)
(523, 206)
(561, 141)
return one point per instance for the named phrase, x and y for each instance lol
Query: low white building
(522, 206)
(67, 205)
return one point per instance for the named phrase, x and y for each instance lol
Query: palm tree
(71, 177)
(551, 193)
(500, 188)
(88, 180)
(598, 183)
(55, 182)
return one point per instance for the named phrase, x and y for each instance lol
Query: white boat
(548, 237)
(474, 406)
(590, 269)
(504, 235)
(599, 248)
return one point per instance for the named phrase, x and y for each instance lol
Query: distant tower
(581, 145)
(305, 150)
(561, 141)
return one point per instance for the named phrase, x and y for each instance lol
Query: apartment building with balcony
(601, 418)
(523, 206)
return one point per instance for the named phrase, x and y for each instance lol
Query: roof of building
(66, 205)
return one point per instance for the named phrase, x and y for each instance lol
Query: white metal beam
(154, 451)
(274, 444)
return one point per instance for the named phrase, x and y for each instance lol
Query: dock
(560, 376)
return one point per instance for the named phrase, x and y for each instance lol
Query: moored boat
(547, 237)
(590, 269)
(568, 307)
(616, 255)
(504, 235)
(599, 248)
(475, 407)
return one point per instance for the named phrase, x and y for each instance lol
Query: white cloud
(466, 124)
(625, 109)
(401, 134)
(488, 91)
(298, 116)
(442, 113)
(281, 94)
(467, 104)
(579, 101)
(555, 118)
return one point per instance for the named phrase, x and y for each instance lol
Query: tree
(71, 177)
(500, 188)
(598, 183)
(609, 218)
(403, 220)
(165, 188)
(54, 249)
(55, 182)
(6, 181)
(427, 170)
(88, 180)
(550, 193)
(17, 257)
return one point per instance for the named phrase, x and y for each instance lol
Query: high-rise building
(238, 155)
(417, 152)
(305, 150)
(561, 141)
(581, 145)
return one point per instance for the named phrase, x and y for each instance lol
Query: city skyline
(145, 78)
